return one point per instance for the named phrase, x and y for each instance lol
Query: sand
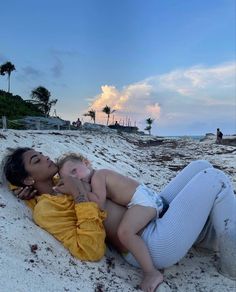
(32, 260)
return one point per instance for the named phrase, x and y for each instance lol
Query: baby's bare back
(119, 188)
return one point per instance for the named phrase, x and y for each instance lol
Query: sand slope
(32, 260)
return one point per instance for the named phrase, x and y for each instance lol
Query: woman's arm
(74, 221)
(73, 186)
(79, 227)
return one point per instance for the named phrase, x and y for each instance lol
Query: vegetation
(7, 68)
(14, 107)
(107, 110)
(41, 99)
(149, 122)
(92, 114)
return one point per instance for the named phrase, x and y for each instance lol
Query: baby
(143, 205)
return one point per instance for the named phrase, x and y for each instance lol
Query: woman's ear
(29, 181)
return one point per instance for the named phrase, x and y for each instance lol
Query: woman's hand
(25, 193)
(72, 186)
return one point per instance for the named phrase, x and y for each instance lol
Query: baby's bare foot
(151, 281)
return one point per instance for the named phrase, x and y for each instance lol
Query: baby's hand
(72, 186)
(25, 193)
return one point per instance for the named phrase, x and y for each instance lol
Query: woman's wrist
(80, 198)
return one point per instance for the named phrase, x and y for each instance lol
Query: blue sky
(171, 60)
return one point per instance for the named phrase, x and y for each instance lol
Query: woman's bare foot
(151, 281)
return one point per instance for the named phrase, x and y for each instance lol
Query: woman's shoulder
(54, 199)
(48, 201)
(50, 205)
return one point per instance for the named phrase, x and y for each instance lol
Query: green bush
(14, 107)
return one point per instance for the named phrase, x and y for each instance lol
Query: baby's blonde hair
(70, 157)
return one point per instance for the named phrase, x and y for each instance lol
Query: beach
(32, 260)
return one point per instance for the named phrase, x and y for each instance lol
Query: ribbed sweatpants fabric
(199, 192)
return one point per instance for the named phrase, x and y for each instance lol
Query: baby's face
(76, 169)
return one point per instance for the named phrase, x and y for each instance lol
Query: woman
(202, 210)
(74, 221)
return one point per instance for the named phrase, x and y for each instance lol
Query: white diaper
(146, 197)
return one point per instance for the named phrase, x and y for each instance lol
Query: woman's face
(38, 166)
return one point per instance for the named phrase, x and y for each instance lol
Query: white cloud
(182, 97)
(153, 110)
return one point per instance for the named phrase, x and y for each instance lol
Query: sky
(171, 60)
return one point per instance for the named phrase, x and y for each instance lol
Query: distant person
(78, 123)
(219, 136)
(116, 125)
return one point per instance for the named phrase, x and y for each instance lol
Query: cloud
(67, 53)
(57, 68)
(58, 56)
(28, 74)
(154, 110)
(192, 96)
(129, 103)
(31, 72)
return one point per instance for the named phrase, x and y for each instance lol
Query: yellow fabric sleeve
(79, 227)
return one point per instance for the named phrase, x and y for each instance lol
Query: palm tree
(92, 114)
(41, 98)
(107, 110)
(149, 122)
(7, 68)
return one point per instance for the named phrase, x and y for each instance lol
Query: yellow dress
(78, 226)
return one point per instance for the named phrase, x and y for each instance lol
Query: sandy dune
(32, 260)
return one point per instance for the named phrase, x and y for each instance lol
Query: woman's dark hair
(14, 168)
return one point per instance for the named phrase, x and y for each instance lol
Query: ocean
(193, 137)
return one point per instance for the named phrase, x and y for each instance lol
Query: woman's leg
(223, 220)
(223, 214)
(218, 221)
(208, 192)
(183, 178)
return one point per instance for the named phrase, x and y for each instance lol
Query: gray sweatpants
(199, 194)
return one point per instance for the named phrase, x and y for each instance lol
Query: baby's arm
(99, 192)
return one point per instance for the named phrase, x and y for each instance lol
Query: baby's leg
(183, 178)
(92, 197)
(132, 222)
